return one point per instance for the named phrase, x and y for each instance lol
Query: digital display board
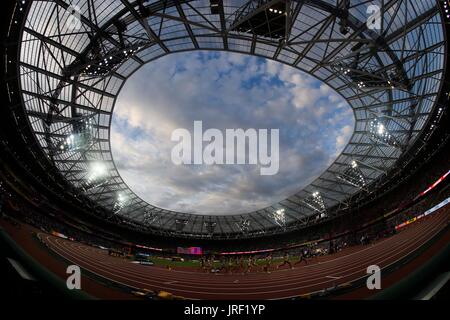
(190, 250)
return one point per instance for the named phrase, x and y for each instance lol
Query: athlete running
(285, 261)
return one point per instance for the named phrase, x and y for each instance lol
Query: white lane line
(432, 229)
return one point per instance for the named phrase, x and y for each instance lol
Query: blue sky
(225, 91)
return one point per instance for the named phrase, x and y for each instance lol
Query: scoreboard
(190, 250)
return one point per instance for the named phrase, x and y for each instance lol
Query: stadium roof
(75, 56)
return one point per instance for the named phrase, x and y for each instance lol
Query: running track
(347, 266)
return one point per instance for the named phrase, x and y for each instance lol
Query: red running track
(347, 266)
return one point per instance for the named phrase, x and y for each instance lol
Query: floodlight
(353, 175)
(122, 200)
(97, 176)
(81, 136)
(262, 18)
(315, 202)
(102, 64)
(279, 217)
(379, 133)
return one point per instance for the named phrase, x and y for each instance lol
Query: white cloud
(343, 138)
(224, 91)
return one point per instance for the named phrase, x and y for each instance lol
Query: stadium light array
(100, 65)
(276, 11)
(97, 176)
(263, 18)
(121, 202)
(446, 5)
(379, 133)
(321, 215)
(80, 138)
(279, 217)
(214, 6)
(315, 202)
(353, 175)
(363, 77)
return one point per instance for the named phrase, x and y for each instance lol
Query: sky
(225, 91)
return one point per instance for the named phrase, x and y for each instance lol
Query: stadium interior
(384, 201)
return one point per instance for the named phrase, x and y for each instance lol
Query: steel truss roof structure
(75, 56)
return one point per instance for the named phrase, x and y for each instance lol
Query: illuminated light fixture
(121, 202)
(97, 176)
(275, 11)
(262, 18)
(446, 8)
(279, 217)
(321, 216)
(74, 142)
(365, 76)
(344, 70)
(391, 84)
(315, 202)
(379, 133)
(214, 6)
(81, 137)
(101, 66)
(353, 176)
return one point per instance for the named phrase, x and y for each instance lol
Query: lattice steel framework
(76, 55)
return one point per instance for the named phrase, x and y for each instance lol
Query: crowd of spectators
(39, 212)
